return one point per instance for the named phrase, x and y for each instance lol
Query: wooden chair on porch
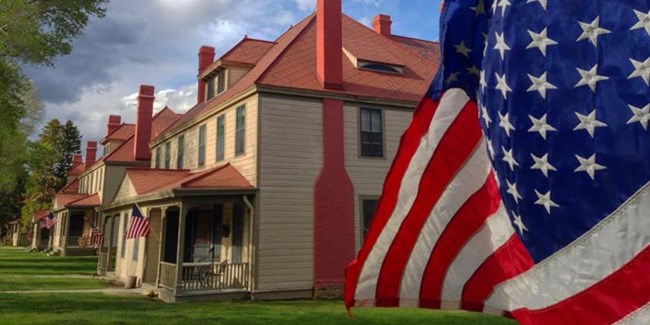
(208, 274)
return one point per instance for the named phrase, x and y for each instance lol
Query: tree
(70, 144)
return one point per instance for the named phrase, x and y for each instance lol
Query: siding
(113, 176)
(368, 174)
(290, 160)
(246, 163)
(235, 73)
(125, 190)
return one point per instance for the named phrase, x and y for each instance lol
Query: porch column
(109, 240)
(161, 244)
(180, 247)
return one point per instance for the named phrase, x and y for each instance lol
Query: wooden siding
(235, 73)
(124, 191)
(290, 160)
(113, 176)
(368, 174)
(246, 163)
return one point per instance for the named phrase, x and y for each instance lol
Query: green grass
(19, 271)
(17, 261)
(109, 309)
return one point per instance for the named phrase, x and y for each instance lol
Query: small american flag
(539, 211)
(139, 226)
(42, 223)
(51, 220)
(96, 236)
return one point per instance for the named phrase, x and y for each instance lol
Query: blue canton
(564, 94)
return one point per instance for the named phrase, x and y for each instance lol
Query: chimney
(91, 153)
(114, 121)
(381, 24)
(76, 159)
(329, 44)
(143, 122)
(206, 57)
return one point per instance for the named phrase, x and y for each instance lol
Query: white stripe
(450, 106)
(495, 232)
(589, 259)
(471, 178)
(640, 316)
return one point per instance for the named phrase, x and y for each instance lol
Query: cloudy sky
(156, 42)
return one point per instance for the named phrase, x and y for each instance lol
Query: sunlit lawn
(100, 308)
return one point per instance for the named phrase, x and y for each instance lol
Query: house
(266, 187)
(40, 236)
(96, 181)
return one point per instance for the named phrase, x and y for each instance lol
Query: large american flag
(139, 226)
(51, 220)
(539, 209)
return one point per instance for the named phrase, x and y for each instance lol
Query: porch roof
(39, 214)
(61, 200)
(91, 200)
(148, 181)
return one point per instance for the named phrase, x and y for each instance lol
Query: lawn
(28, 271)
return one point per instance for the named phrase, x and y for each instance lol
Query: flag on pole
(42, 223)
(538, 209)
(139, 226)
(51, 220)
(96, 236)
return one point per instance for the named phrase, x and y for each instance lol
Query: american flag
(51, 220)
(139, 226)
(542, 216)
(42, 223)
(96, 236)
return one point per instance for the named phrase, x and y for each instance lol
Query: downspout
(251, 210)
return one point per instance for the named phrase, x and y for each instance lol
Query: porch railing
(168, 275)
(214, 276)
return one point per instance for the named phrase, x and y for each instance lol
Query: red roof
(121, 133)
(76, 169)
(124, 152)
(92, 200)
(63, 199)
(247, 51)
(39, 214)
(290, 62)
(147, 181)
(71, 188)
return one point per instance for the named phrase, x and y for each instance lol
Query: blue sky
(156, 41)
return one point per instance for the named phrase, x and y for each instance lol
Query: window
(372, 138)
(367, 212)
(221, 137)
(221, 81)
(181, 152)
(157, 159)
(240, 131)
(202, 145)
(380, 67)
(92, 184)
(210, 89)
(168, 155)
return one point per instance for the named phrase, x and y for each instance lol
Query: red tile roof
(290, 62)
(247, 51)
(71, 188)
(147, 181)
(77, 169)
(63, 199)
(121, 133)
(39, 214)
(92, 200)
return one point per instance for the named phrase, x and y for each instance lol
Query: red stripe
(467, 221)
(454, 149)
(408, 146)
(606, 302)
(508, 261)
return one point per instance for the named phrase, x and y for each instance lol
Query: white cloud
(306, 5)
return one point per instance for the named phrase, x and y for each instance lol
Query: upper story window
(221, 137)
(372, 137)
(168, 155)
(92, 184)
(202, 131)
(157, 158)
(380, 67)
(210, 89)
(240, 130)
(221, 81)
(181, 152)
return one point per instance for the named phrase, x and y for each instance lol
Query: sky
(155, 42)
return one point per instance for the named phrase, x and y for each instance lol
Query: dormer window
(380, 67)
(221, 81)
(210, 86)
(216, 84)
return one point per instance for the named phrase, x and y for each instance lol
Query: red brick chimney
(143, 122)
(91, 153)
(206, 57)
(329, 44)
(76, 159)
(114, 121)
(381, 24)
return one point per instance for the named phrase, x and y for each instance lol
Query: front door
(152, 258)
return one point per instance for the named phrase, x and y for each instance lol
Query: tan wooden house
(96, 181)
(266, 187)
